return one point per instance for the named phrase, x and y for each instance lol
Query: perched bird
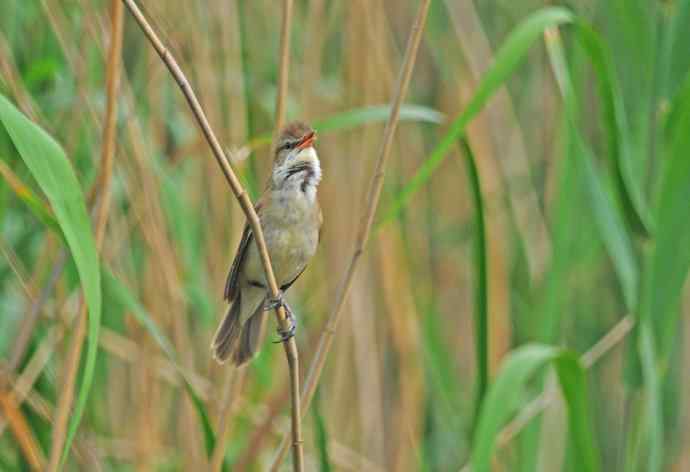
(291, 221)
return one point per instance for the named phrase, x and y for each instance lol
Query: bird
(291, 221)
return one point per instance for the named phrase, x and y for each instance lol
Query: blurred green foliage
(600, 93)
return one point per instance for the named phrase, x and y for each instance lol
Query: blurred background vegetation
(562, 217)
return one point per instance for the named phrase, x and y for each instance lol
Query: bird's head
(296, 161)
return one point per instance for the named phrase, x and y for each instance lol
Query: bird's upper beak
(307, 141)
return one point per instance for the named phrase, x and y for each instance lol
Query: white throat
(299, 174)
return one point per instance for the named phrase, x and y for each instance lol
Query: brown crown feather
(294, 130)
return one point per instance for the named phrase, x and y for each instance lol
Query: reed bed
(501, 282)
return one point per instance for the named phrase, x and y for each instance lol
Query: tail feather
(225, 339)
(252, 334)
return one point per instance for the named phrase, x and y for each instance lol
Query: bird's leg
(276, 302)
(286, 334)
(273, 303)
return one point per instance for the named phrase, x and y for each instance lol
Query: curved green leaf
(614, 118)
(618, 245)
(513, 51)
(378, 114)
(361, 116)
(503, 399)
(481, 316)
(669, 259)
(54, 174)
(608, 220)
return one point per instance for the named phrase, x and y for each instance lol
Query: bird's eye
(289, 145)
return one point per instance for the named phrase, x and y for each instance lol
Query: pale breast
(291, 230)
(291, 247)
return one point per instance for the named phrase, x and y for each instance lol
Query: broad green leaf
(617, 129)
(608, 220)
(54, 174)
(481, 323)
(508, 57)
(503, 400)
(669, 258)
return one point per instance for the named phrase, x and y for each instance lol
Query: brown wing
(234, 274)
(242, 250)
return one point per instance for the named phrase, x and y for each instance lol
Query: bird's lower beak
(307, 141)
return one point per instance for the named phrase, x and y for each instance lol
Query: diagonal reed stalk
(65, 401)
(10, 407)
(367, 220)
(242, 198)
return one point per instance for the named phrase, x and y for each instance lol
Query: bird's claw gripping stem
(288, 333)
(275, 303)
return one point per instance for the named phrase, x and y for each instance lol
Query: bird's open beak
(307, 141)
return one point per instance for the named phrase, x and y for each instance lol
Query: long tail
(236, 339)
(252, 334)
(227, 335)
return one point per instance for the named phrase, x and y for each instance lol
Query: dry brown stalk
(263, 429)
(153, 235)
(20, 428)
(131, 352)
(397, 289)
(367, 220)
(21, 342)
(24, 384)
(103, 206)
(230, 402)
(247, 207)
(82, 452)
(610, 340)
(111, 342)
(11, 77)
(283, 67)
(267, 426)
(15, 263)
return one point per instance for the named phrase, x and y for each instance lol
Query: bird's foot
(286, 334)
(273, 303)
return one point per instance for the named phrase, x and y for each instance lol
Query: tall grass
(573, 122)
